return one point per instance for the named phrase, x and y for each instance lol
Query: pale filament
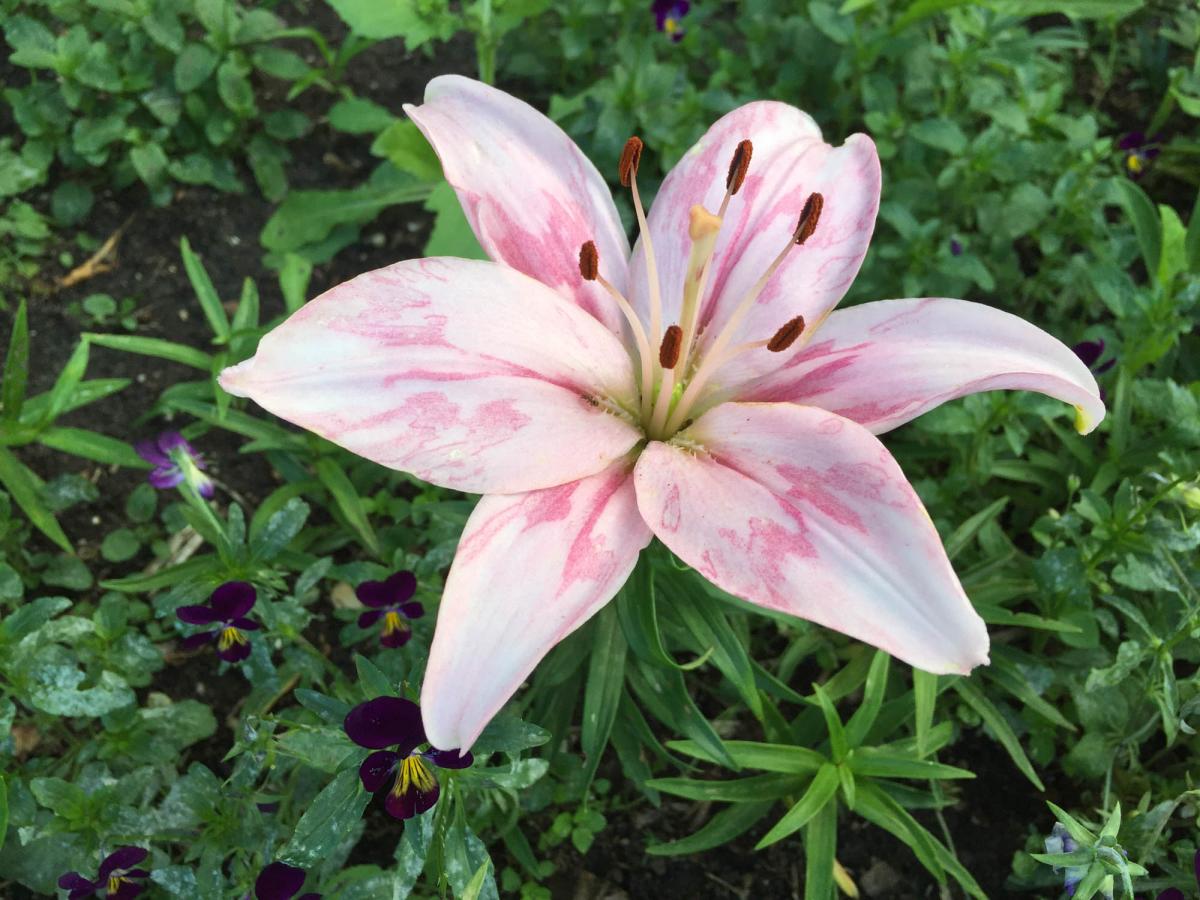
(643, 345)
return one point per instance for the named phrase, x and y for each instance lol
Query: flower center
(115, 882)
(414, 774)
(673, 379)
(229, 637)
(393, 622)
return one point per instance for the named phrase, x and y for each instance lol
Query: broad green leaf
(294, 274)
(820, 792)
(452, 234)
(358, 115)
(193, 66)
(327, 820)
(605, 682)
(210, 302)
(3, 810)
(1146, 225)
(1174, 253)
(1000, 728)
(1191, 241)
(372, 679)
(91, 445)
(24, 487)
(406, 148)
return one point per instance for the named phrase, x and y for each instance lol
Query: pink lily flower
(701, 389)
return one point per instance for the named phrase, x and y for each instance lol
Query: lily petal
(530, 569)
(530, 194)
(790, 162)
(465, 373)
(802, 511)
(885, 363)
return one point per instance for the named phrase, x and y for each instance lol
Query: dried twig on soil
(97, 263)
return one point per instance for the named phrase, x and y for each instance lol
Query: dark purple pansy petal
(386, 722)
(235, 652)
(1171, 894)
(127, 891)
(165, 477)
(369, 618)
(1132, 141)
(279, 881)
(309, 896)
(373, 594)
(73, 881)
(196, 641)
(122, 858)
(956, 247)
(1104, 367)
(1089, 351)
(396, 638)
(204, 487)
(173, 440)
(449, 759)
(376, 769)
(267, 808)
(148, 450)
(411, 803)
(233, 599)
(245, 624)
(401, 586)
(413, 610)
(81, 893)
(197, 615)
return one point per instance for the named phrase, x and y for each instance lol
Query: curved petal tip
(234, 379)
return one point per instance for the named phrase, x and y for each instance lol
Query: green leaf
(820, 853)
(150, 163)
(605, 681)
(91, 445)
(307, 217)
(735, 790)
(1146, 226)
(155, 347)
(663, 692)
(66, 384)
(452, 234)
(24, 486)
(877, 763)
(210, 302)
(120, 545)
(1000, 728)
(193, 569)
(357, 115)
(406, 148)
(16, 367)
(820, 792)
(33, 43)
(864, 717)
(771, 757)
(234, 87)
(245, 318)
(720, 829)
(193, 66)
(1191, 241)
(71, 202)
(327, 821)
(3, 811)
(838, 743)
(396, 19)
(372, 679)
(966, 532)
(60, 797)
(1174, 255)
(942, 134)
(347, 500)
(294, 275)
(54, 688)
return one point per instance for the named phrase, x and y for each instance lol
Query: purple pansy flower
(956, 247)
(175, 462)
(118, 878)
(668, 16)
(1089, 353)
(1175, 893)
(279, 881)
(227, 606)
(396, 723)
(390, 600)
(1140, 151)
(1060, 841)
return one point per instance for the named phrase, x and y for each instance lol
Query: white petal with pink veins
(530, 569)
(885, 363)
(802, 511)
(464, 373)
(530, 194)
(790, 161)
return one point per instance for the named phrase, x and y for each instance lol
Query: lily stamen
(716, 354)
(589, 269)
(631, 157)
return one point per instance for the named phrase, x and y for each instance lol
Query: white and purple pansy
(119, 877)
(227, 607)
(392, 727)
(390, 600)
(175, 462)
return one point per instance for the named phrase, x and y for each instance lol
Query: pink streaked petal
(530, 569)
(530, 194)
(885, 363)
(789, 163)
(802, 511)
(465, 373)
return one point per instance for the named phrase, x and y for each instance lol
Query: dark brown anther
(630, 157)
(809, 216)
(738, 166)
(672, 344)
(787, 335)
(589, 261)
